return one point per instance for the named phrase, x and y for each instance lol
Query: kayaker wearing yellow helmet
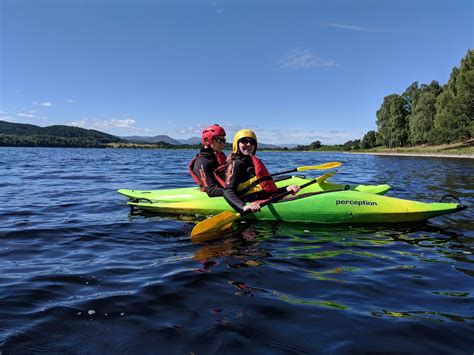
(246, 178)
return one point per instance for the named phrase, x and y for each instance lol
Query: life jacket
(221, 160)
(262, 181)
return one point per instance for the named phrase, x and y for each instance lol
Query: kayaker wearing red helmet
(246, 178)
(210, 157)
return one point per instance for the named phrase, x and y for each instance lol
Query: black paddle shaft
(278, 197)
(285, 172)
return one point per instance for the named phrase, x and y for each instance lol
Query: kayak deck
(195, 194)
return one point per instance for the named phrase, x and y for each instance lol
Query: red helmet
(212, 131)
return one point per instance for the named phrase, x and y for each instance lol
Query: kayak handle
(457, 199)
(450, 196)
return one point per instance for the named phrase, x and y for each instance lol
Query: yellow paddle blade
(218, 223)
(330, 165)
(326, 176)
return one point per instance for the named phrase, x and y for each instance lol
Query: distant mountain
(155, 139)
(268, 146)
(19, 134)
(189, 141)
(192, 140)
(289, 145)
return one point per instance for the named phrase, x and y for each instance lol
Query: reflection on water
(80, 274)
(399, 258)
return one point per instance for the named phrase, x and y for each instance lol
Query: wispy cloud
(26, 115)
(8, 118)
(282, 136)
(302, 58)
(46, 104)
(124, 125)
(360, 28)
(218, 9)
(69, 101)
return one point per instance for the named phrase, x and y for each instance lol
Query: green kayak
(193, 194)
(324, 202)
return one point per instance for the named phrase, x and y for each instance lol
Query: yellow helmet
(243, 133)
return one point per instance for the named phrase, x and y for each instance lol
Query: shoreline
(423, 155)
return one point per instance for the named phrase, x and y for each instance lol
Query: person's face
(218, 143)
(247, 146)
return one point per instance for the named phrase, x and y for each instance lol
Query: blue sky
(295, 71)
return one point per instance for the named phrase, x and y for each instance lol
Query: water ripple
(82, 275)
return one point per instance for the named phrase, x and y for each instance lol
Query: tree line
(428, 113)
(26, 135)
(422, 114)
(12, 140)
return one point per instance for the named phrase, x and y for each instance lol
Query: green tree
(352, 145)
(315, 145)
(410, 96)
(455, 105)
(421, 121)
(369, 140)
(392, 121)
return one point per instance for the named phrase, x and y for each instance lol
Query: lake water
(80, 274)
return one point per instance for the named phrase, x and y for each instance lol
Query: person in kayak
(209, 158)
(247, 180)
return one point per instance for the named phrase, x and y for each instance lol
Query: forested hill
(26, 135)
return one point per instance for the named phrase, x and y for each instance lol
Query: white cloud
(110, 125)
(302, 58)
(26, 115)
(281, 136)
(359, 28)
(70, 101)
(7, 118)
(85, 122)
(46, 104)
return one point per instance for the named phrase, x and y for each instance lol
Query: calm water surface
(80, 274)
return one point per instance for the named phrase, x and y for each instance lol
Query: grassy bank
(464, 149)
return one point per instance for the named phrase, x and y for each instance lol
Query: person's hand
(293, 189)
(254, 207)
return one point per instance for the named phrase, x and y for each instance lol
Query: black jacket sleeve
(204, 169)
(232, 174)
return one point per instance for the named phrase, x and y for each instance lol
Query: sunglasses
(219, 140)
(247, 141)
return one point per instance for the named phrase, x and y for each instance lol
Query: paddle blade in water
(206, 229)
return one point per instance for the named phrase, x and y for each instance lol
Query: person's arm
(206, 175)
(230, 189)
(214, 190)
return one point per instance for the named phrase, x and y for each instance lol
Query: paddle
(224, 220)
(325, 166)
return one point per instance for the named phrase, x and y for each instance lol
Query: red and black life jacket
(262, 181)
(221, 160)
